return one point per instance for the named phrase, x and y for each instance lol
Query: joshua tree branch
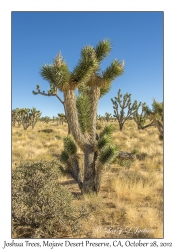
(41, 93)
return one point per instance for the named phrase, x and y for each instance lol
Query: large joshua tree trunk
(89, 170)
(86, 142)
(120, 126)
(72, 118)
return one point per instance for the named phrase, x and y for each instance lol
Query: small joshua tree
(81, 110)
(34, 116)
(46, 119)
(16, 117)
(62, 118)
(126, 103)
(108, 116)
(140, 119)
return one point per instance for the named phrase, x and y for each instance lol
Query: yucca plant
(81, 110)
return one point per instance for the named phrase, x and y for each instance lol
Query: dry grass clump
(130, 201)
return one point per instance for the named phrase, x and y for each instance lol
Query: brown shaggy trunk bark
(98, 177)
(72, 118)
(89, 170)
(159, 126)
(120, 126)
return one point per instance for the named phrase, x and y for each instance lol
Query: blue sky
(37, 37)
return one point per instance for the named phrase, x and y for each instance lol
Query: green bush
(41, 207)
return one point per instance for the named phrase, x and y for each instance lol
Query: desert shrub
(125, 159)
(41, 207)
(58, 137)
(135, 151)
(48, 130)
(141, 156)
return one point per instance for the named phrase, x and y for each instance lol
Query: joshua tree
(62, 118)
(21, 116)
(100, 118)
(34, 116)
(46, 119)
(141, 118)
(156, 115)
(126, 103)
(81, 111)
(108, 116)
(16, 117)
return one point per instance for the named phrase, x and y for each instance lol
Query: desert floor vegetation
(130, 201)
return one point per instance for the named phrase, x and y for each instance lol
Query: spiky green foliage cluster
(103, 141)
(107, 154)
(70, 159)
(103, 49)
(70, 149)
(60, 78)
(69, 145)
(108, 130)
(57, 74)
(85, 67)
(107, 151)
(84, 111)
(114, 69)
(41, 207)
